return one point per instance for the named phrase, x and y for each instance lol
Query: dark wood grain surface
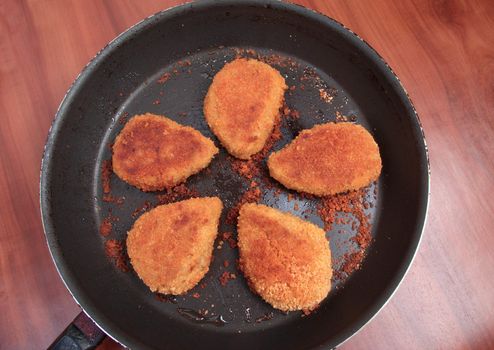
(443, 51)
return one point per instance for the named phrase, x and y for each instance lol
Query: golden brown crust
(328, 159)
(286, 260)
(153, 152)
(170, 247)
(242, 103)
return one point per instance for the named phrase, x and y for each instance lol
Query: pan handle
(81, 334)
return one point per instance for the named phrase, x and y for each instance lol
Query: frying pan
(122, 81)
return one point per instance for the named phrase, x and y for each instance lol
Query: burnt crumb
(114, 250)
(232, 242)
(226, 236)
(167, 298)
(340, 117)
(272, 59)
(247, 53)
(280, 61)
(319, 115)
(352, 205)
(289, 113)
(108, 198)
(123, 119)
(245, 168)
(179, 192)
(352, 261)
(164, 78)
(184, 63)
(225, 277)
(265, 317)
(253, 169)
(106, 171)
(350, 202)
(252, 195)
(143, 208)
(307, 312)
(325, 96)
(294, 114)
(308, 74)
(106, 225)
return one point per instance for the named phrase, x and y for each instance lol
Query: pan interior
(181, 99)
(187, 46)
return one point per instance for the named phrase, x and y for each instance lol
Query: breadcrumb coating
(286, 260)
(242, 103)
(170, 247)
(153, 152)
(328, 159)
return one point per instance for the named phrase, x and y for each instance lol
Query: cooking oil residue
(201, 317)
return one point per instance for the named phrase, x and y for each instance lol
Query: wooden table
(443, 51)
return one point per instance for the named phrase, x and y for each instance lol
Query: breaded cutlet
(328, 159)
(153, 152)
(170, 247)
(242, 104)
(286, 260)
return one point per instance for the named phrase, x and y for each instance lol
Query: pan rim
(70, 281)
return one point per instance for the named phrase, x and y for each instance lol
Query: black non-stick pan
(164, 65)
